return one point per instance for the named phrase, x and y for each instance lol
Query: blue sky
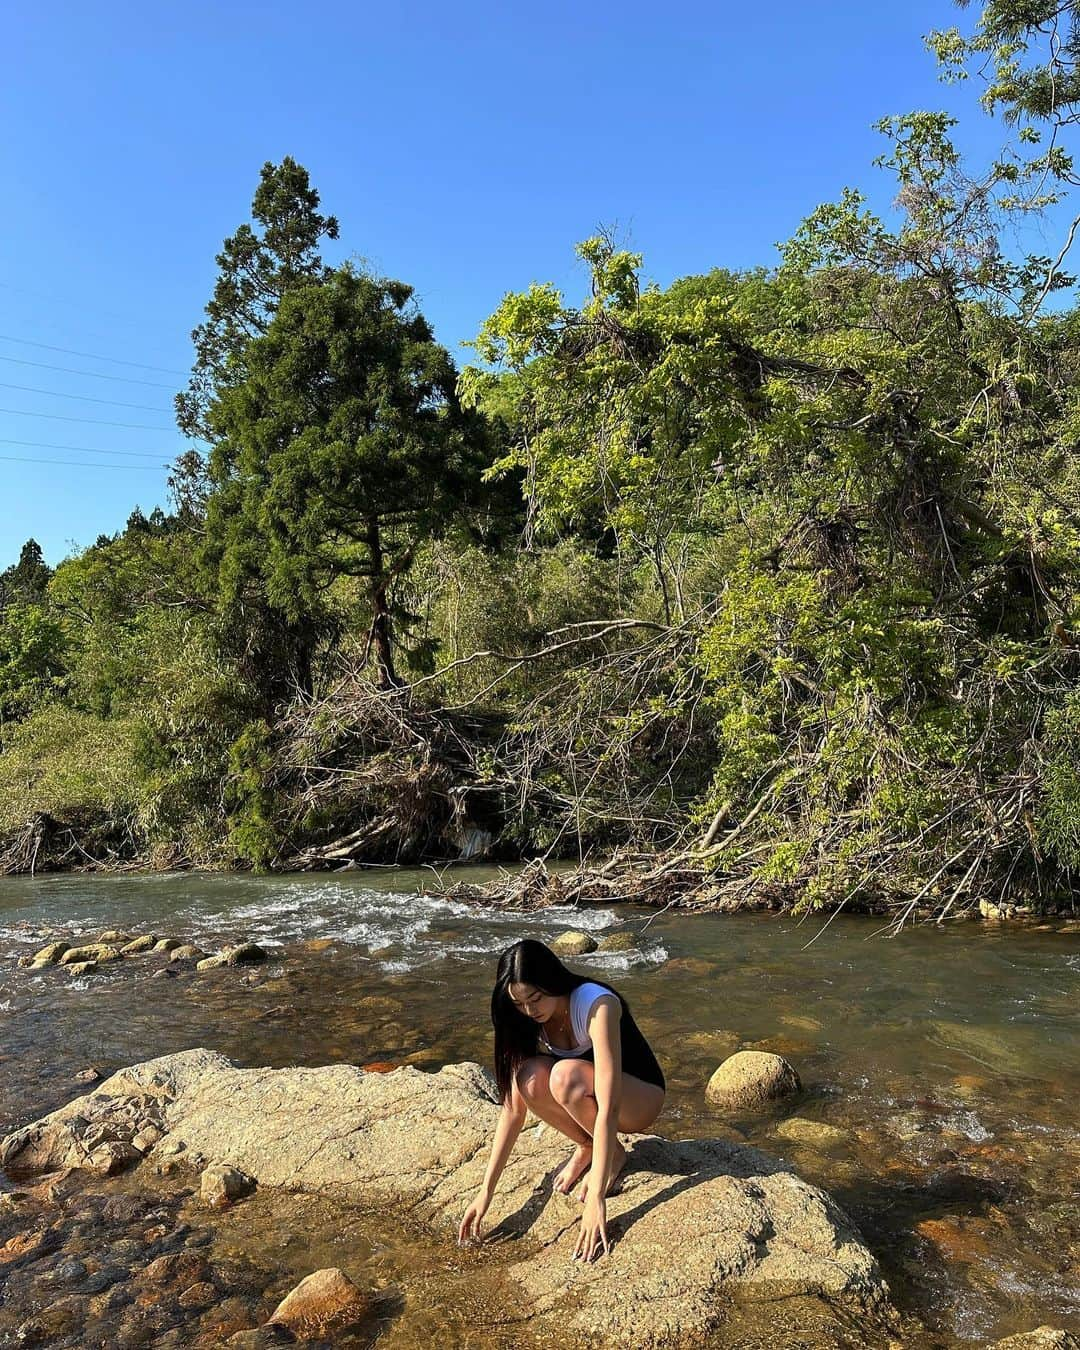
(464, 149)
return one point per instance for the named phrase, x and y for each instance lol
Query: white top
(581, 1004)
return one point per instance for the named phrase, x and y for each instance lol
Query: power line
(82, 398)
(88, 449)
(93, 356)
(92, 374)
(83, 463)
(85, 421)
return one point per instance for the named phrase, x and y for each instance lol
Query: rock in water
(49, 955)
(97, 951)
(573, 943)
(750, 1078)
(185, 952)
(322, 1305)
(702, 1226)
(220, 1184)
(166, 944)
(618, 942)
(246, 954)
(144, 943)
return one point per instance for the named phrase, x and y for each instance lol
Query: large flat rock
(700, 1225)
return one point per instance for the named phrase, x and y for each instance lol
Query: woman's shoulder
(586, 995)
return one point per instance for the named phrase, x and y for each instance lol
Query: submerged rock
(82, 967)
(186, 952)
(322, 1305)
(750, 1078)
(697, 1224)
(166, 944)
(573, 943)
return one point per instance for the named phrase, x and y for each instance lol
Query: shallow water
(946, 1057)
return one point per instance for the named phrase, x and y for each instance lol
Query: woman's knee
(532, 1078)
(570, 1081)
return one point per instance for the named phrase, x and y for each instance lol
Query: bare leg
(533, 1082)
(571, 1083)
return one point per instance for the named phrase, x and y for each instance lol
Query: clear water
(947, 1057)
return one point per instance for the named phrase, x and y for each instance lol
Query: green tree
(340, 451)
(258, 265)
(26, 580)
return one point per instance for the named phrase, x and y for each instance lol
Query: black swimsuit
(637, 1056)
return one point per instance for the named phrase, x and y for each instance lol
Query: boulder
(143, 943)
(186, 952)
(618, 942)
(221, 1184)
(82, 967)
(744, 1226)
(245, 954)
(322, 1305)
(573, 943)
(115, 936)
(751, 1078)
(49, 955)
(209, 962)
(96, 951)
(166, 944)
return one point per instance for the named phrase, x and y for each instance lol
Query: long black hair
(516, 1034)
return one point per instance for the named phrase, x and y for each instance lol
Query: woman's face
(533, 1002)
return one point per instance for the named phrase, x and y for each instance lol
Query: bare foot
(618, 1162)
(575, 1169)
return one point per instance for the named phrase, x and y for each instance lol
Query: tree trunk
(381, 630)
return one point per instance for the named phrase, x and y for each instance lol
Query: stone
(58, 1319)
(89, 1075)
(1042, 1338)
(259, 1337)
(144, 943)
(70, 1271)
(199, 1295)
(573, 943)
(82, 967)
(166, 944)
(186, 952)
(146, 1138)
(618, 942)
(112, 1157)
(175, 1270)
(210, 962)
(97, 951)
(221, 1184)
(165, 973)
(744, 1224)
(116, 936)
(813, 1132)
(245, 954)
(322, 1305)
(49, 955)
(749, 1079)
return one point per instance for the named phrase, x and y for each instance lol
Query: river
(946, 1058)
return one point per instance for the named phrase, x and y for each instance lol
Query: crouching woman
(567, 1049)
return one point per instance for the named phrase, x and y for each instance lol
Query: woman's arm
(511, 1119)
(603, 1027)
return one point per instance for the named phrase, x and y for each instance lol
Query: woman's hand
(474, 1215)
(592, 1239)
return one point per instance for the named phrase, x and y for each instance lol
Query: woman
(567, 1049)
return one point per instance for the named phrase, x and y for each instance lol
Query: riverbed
(944, 1059)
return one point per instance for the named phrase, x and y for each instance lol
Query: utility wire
(93, 356)
(92, 374)
(86, 421)
(83, 463)
(83, 398)
(88, 449)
